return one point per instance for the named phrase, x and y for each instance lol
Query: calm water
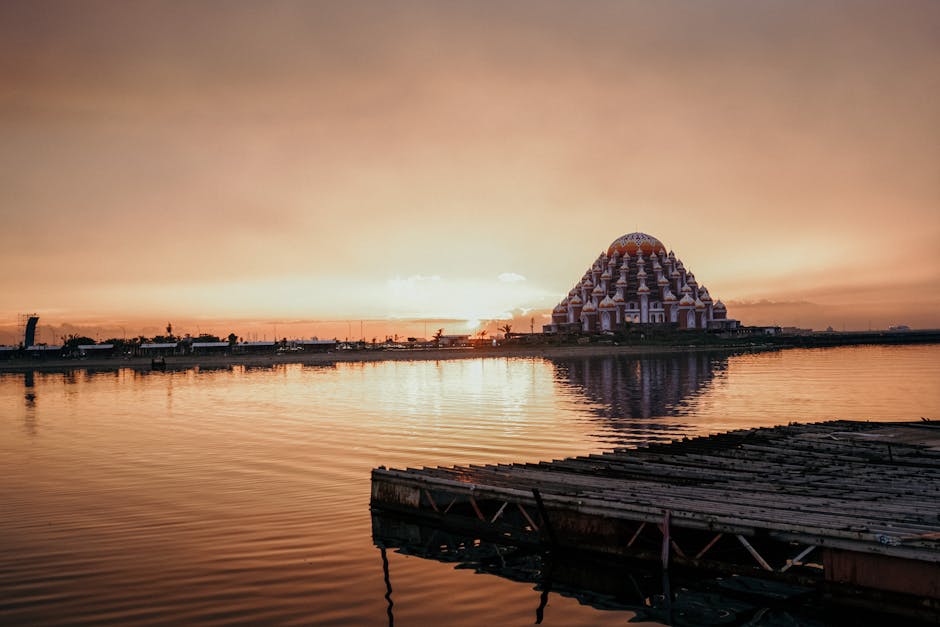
(241, 496)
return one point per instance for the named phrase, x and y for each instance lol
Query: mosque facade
(637, 281)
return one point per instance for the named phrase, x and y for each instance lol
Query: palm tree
(437, 337)
(506, 329)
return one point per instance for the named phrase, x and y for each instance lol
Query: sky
(242, 165)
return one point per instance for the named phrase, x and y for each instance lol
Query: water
(241, 495)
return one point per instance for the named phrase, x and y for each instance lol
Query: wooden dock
(837, 503)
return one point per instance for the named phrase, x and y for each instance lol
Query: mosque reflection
(635, 396)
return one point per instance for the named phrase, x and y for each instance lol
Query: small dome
(597, 291)
(662, 280)
(686, 301)
(589, 308)
(621, 282)
(630, 243)
(685, 289)
(561, 307)
(669, 297)
(699, 304)
(588, 283)
(606, 274)
(607, 303)
(575, 300)
(641, 274)
(719, 305)
(618, 298)
(643, 289)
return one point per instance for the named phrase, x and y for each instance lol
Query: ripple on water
(242, 495)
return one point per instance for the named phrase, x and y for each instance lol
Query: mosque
(635, 280)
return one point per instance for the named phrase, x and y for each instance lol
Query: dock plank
(862, 487)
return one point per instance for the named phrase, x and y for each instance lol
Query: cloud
(414, 279)
(510, 277)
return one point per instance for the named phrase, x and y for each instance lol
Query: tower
(27, 324)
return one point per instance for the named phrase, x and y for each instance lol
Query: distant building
(315, 346)
(96, 350)
(44, 351)
(158, 349)
(455, 340)
(210, 348)
(636, 281)
(256, 347)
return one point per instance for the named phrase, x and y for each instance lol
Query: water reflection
(653, 596)
(388, 588)
(640, 387)
(631, 393)
(29, 419)
(235, 494)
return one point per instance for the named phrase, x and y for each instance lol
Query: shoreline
(567, 351)
(186, 362)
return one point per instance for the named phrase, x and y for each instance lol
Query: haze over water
(241, 496)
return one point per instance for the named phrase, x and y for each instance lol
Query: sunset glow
(311, 165)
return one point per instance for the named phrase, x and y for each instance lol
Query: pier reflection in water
(650, 595)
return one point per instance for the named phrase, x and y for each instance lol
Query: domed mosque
(635, 280)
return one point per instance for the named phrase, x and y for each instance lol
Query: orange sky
(242, 163)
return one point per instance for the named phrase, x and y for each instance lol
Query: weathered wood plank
(833, 485)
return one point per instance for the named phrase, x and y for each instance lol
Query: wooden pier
(843, 504)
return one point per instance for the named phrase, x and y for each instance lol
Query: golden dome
(630, 243)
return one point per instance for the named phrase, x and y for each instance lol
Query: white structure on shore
(635, 280)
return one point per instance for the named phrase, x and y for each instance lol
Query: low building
(210, 348)
(158, 349)
(723, 325)
(256, 347)
(44, 351)
(455, 340)
(95, 350)
(316, 346)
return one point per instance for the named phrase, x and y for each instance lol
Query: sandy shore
(361, 356)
